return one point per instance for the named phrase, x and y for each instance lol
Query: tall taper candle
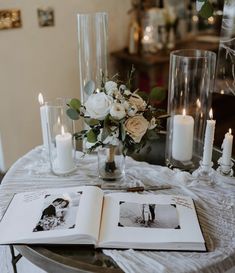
(209, 139)
(43, 114)
(227, 148)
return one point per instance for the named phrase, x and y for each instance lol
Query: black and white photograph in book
(59, 212)
(148, 215)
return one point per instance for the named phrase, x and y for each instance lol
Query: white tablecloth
(215, 207)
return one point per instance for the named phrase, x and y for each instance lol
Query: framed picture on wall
(46, 17)
(10, 18)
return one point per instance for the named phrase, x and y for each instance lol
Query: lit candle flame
(40, 99)
(62, 130)
(198, 103)
(184, 112)
(230, 131)
(211, 114)
(58, 120)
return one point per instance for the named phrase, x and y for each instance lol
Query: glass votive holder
(62, 145)
(191, 81)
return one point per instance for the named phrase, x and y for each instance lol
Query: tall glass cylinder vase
(92, 51)
(62, 146)
(191, 82)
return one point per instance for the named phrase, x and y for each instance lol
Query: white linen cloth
(215, 207)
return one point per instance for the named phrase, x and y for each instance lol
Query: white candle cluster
(182, 142)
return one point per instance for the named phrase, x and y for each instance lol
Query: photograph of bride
(58, 212)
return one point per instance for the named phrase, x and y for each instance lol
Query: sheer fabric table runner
(215, 207)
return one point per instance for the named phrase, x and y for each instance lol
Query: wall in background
(35, 59)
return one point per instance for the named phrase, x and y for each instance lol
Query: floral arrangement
(116, 114)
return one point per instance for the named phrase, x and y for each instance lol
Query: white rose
(152, 123)
(111, 87)
(117, 111)
(132, 110)
(138, 101)
(136, 127)
(98, 105)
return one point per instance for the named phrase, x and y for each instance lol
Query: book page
(54, 213)
(149, 221)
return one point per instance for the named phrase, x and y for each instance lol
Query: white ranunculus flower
(132, 110)
(110, 87)
(98, 105)
(117, 111)
(152, 123)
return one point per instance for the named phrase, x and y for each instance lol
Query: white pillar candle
(43, 114)
(182, 143)
(209, 139)
(64, 149)
(227, 148)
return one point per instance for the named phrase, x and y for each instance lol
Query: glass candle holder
(92, 51)
(92, 54)
(62, 146)
(191, 81)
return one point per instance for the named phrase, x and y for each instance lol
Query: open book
(84, 215)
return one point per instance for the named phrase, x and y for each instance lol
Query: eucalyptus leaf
(91, 136)
(72, 113)
(206, 10)
(105, 133)
(75, 104)
(123, 132)
(158, 93)
(89, 87)
(91, 121)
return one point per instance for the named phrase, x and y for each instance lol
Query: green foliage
(157, 93)
(75, 104)
(73, 114)
(91, 136)
(130, 77)
(89, 87)
(206, 10)
(91, 121)
(122, 131)
(106, 128)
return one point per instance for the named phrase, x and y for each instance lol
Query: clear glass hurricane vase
(191, 83)
(92, 51)
(62, 146)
